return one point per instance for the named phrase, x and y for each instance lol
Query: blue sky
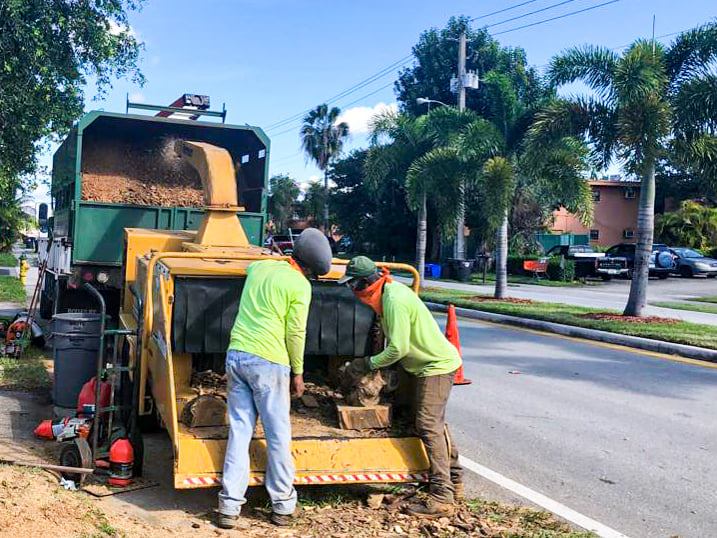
(272, 59)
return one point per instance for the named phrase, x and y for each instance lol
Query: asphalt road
(626, 439)
(610, 295)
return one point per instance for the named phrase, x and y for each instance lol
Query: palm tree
(648, 103)
(284, 192)
(322, 139)
(512, 166)
(436, 155)
(397, 141)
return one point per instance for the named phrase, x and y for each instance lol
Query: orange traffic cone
(455, 339)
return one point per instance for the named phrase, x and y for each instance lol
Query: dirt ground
(32, 501)
(130, 174)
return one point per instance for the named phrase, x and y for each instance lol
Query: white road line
(541, 500)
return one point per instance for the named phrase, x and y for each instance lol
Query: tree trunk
(326, 204)
(501, 259)
(645, 230)
(421, 238)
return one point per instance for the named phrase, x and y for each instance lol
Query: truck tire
(663, 276)
(606, 278)
(686, 271)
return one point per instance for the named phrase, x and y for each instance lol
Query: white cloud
(358, 117)
(136, 97)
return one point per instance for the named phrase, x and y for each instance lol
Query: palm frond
(692, 53)
(438, 172)
(695, 105)
(593, 65)
(579, 118)
(640, 73)
(480, 140)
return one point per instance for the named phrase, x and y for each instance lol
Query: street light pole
(459, 249)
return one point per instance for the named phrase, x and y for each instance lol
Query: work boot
(430, 509)
(283, 520)
(226, 522)
(459, 491)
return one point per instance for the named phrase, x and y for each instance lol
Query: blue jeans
(255, 385)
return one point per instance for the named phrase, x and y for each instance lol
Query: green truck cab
(87, 233)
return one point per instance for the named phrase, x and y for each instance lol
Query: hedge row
(558, 269)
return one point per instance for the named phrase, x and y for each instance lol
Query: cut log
(205, 410)
(364, 418)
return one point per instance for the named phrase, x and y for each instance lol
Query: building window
(630, 193)
(596, 195)
(594, 235)
(628, 233)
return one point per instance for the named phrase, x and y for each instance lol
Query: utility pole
(459, 248)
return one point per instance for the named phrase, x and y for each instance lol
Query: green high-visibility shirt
(273, 309)
(413, 335)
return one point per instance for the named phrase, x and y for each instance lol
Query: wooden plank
(364, 418)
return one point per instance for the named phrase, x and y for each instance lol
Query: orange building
(615, 214)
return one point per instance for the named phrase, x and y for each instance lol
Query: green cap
(358, 267)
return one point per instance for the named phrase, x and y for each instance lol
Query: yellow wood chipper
(181, 293)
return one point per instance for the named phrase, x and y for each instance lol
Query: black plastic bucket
(76, 343)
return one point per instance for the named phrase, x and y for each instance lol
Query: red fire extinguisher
(121, 463)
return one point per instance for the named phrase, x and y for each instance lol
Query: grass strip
(680, 332)
(705, 299)
(706, 307)
(11, 289)
(27, 374)
(7, 260)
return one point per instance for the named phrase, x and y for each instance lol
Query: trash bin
(76, 343)
(433, 270)
(460, 269)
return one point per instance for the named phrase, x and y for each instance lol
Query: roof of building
(614, 182)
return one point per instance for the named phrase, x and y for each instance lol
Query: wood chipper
(182, 290)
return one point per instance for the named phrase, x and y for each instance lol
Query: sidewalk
(8, 309)
(580, 296)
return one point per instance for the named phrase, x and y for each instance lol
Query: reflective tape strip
(318, 479)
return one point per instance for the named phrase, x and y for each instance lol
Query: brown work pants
(430, 405)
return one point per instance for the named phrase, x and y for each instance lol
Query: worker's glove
(359, 367)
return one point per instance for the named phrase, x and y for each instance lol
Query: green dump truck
(116, 171)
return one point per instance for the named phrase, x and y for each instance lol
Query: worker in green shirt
(415, 340)
(266, 349)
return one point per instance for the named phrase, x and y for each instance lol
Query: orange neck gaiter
(296, 266)
(373, 294)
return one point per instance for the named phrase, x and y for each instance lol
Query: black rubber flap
(205, 309)
(204, 313)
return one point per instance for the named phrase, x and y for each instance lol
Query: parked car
(285, 243)
(619, 260)
(584, 256)
(689, 263)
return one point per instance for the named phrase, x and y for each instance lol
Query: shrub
(561, 269)
(515, 264)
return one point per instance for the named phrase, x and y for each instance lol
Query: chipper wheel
(76, 454)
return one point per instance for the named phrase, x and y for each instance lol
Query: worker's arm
(398, 325)
(296, 327)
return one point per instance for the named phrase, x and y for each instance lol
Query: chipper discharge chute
(183, 289)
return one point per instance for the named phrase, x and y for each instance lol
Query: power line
(556, 18)
(399, 63)
(546, 8)
(293, 127)
(351, 89)
(510, 8)
(389, 69)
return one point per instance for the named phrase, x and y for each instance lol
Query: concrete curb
(669, 348)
